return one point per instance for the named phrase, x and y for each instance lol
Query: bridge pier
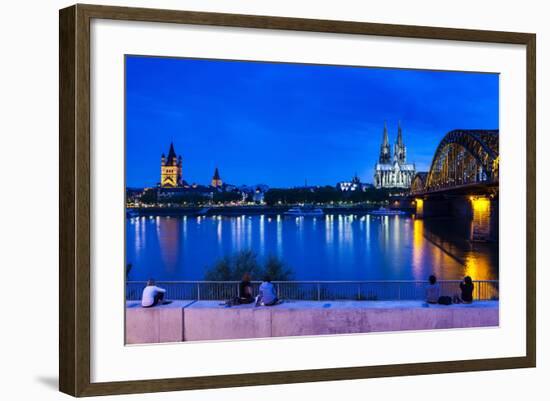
(481, 211)
(494, 218)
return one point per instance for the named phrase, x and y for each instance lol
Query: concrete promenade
(207, 320)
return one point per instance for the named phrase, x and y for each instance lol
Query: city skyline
(282, 124)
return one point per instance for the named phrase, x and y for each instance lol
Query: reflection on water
(418, 248)
(333, 247)
(481, 226)
(169, 240)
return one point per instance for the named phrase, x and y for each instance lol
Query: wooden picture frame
(74, 204)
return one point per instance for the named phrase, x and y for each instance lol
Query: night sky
(280, 124)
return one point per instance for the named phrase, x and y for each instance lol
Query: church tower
(399, 150)
(170, 169)
(216, 180)
(385, 152)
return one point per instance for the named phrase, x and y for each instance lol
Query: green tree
(221, 271)
(232, 268)
(276, 269)
(245, 262)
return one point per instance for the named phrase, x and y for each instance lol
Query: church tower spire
(399, 134)
(216, 179)
(385, 152)
(170, 169)
(399, 151)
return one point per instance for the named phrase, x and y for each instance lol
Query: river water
(331, 247)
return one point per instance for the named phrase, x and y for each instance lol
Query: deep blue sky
(279, 124)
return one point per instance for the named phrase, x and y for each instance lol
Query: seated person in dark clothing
(467, 290)
(245, 290)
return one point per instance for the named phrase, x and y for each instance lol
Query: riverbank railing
(315, 290)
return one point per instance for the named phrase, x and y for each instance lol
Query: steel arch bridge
(463, 158)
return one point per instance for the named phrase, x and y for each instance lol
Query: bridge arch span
(418, 184)
(463, 157)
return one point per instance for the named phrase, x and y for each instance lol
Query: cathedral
(393, 172)
(170, 170)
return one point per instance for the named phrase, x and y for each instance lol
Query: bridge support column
(494, 219)
(480, 211)
(419, 208)
(481, 219)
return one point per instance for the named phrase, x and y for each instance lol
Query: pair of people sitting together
(466, 292)
(267, 295)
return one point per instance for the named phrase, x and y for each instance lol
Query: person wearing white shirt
(267, 295)
(152, 295)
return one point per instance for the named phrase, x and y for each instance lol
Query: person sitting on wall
(267, 295)
(152, 295)
(467, 290)
(245, 290)
(432, 290)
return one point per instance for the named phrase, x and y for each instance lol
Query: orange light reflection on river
(418, 249)
(447, 262)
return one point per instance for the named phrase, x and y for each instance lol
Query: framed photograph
(249, 200)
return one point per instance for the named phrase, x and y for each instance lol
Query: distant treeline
(192, 197)
(323, 195)
(273, 197)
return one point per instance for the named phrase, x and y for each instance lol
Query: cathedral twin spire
(385, 152)
(399, 150)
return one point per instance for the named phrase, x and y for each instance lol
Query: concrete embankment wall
(206, 320)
